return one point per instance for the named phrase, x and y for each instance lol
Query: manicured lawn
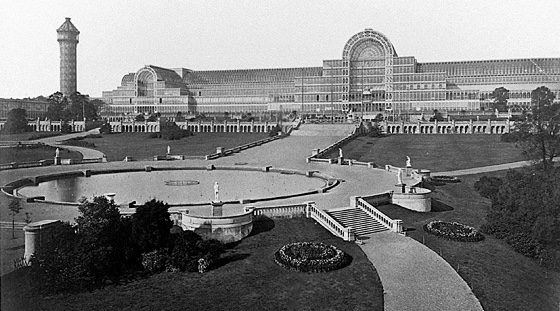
(433, 152)
(140, 146)
(501, 278)
(24, 136)
(248, 279)
(22, 154)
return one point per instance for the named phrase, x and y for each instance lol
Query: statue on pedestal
(340, 153)
(57, 153)
(168, 150)
(216, 192)
(408, 162)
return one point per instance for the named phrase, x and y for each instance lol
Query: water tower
(68, 41)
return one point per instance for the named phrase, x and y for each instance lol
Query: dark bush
(78, 142)
(171, 131)
(524, 244)
(43, 135)
(509, 137)
(488, 187)
(189, 248)
(274, 131)
(105, 128)
(151, 226)
(155, 261)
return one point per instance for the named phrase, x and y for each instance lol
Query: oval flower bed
(445, 179)
(311, 257)
(453, 231)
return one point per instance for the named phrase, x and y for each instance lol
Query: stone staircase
(324, 130)
(356, 218)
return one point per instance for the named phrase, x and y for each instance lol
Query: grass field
(140, 146)
(433, 152)
(248, 279)
(14, 154)
(501, 278)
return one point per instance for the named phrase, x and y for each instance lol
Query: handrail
(329, 223)
(394, 225)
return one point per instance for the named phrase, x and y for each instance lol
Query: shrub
(488, 187)
(78, 142)
(105, 128)
(189, 248)
(43, 135)
(311, 257)
(444, 179)
(151, 226)
(524, 244)
(274, 131)
(453, 231)
(155, 261)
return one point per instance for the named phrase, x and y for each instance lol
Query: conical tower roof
(67, 26)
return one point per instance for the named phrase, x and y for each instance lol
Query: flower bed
(311, 257)
(453, 231)
(445, 179)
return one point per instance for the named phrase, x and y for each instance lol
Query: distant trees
(437, 116)
(539, 133)
(73, 108)
(500, 95)
(16, 121)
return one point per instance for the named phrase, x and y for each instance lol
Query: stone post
(33, 234)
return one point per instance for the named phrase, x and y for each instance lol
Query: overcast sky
(117, 37)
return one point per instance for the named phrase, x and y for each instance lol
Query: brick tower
(68, 40)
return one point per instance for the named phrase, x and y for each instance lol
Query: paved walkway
(490, 168)
(415, 278)
(86, 152)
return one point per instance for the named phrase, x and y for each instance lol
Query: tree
(437, 116)
(180, 118)
(15, 207)
(539, 133)
(151, 226)
(500, 95)
(16, 121)
(80, 104)
(139, 118)
(104, 239)
(57, 107)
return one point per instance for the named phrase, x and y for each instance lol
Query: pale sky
(118, 37)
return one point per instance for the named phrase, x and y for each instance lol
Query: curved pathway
(490, 168)
(87, 153)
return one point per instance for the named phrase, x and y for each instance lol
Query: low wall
(226, 229)
(284, 211)
(416, 199)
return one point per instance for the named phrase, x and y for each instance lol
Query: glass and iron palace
(370, 77)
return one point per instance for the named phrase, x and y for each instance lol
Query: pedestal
(340, 160)
(57, 161)
(408, 171)
(216, 208)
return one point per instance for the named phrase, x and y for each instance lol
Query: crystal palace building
(370, 77)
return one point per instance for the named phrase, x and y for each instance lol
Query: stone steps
(362, 223)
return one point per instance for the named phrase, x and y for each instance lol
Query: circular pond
(175, 187)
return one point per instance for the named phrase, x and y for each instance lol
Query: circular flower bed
(311, 257)
(453, 231)
(445, 179)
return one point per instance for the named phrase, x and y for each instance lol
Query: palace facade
(370, 77)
